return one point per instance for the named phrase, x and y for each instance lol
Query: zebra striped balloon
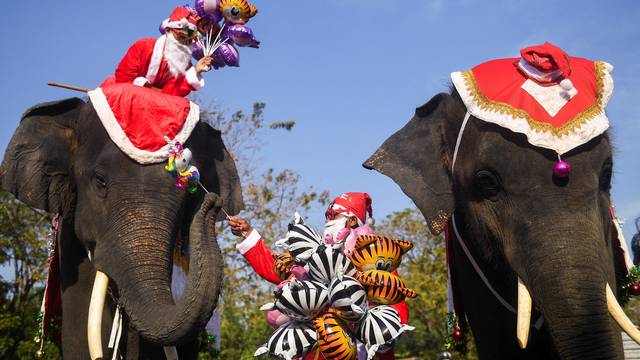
(292, 340)
(348, 298)
(380, 328)
(327, 263)
(302, 300)
(301, 240)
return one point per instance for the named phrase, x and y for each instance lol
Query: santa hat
(181, 18)
(351, 204)
(547, 64)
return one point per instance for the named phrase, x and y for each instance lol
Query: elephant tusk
(620, 317)
(94, 323)
(524, 314)
(171, 353)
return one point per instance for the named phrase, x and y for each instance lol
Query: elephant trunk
(567, 279)
(143, 274)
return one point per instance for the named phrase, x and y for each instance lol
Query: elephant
(554, 237)
(121, 219)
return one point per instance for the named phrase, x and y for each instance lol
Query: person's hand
(240, 226)
(204, 64)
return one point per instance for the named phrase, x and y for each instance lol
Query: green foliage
(287, 125)
(24, 256)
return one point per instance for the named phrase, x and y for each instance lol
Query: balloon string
(207, 191)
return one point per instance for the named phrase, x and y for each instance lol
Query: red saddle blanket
(139, 120)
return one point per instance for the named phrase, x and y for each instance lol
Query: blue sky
(350, 72)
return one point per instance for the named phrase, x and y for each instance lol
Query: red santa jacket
(259, 257)
(144, 65)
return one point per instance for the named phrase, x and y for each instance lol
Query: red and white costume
(145, 63)
(259, 256)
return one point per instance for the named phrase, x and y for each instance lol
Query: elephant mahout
(121, 218)
(472, 172)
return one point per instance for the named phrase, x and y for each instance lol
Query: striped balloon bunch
(337, 299)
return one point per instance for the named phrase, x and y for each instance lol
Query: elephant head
(520, 224)
(124, 215)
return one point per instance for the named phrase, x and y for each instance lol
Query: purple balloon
(196, 51)
(161, 28)
(227, 54)
(209, 9)
(241, 35)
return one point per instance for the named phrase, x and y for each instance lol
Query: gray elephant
(535, 237)
(121, 220)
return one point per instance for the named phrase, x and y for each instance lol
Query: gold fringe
(504, 108)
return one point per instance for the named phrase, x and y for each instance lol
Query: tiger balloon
(374, 252)
(384, 287)
(335, 342)
(282, 264)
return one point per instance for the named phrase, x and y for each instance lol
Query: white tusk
(94, 323)
(524, 314)
(620, 317)
(170, 353)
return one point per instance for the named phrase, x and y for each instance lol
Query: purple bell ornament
(562, 169)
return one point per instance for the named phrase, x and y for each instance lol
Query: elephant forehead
(519, 164)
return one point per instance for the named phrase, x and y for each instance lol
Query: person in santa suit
(347, 211)
(164, 64)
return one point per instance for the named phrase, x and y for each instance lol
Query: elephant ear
(416, 158)
(219, 172)
(37, 162)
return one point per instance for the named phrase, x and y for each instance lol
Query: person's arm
(135, 62)
(254, 249)
(259, 256)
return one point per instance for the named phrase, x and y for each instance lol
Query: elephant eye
(101, 183)
(487, 185)
(605, 176)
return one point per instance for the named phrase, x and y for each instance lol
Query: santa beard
(178, 56)
(332, 228)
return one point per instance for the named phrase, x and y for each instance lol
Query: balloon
(196, 51)
(348, 298)
(241, 35)
(300, 300)
(384, 287)
(237, 11)
(327, 263)
(292, 340)
(276, 319)
(282, 265)
(301, 240)
(379, 253)
(226, 55)
(380, 328)
(209, 9)
(163, 25)
(334, 339)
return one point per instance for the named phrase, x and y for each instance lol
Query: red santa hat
(181, 18)
(351, 204)
(546, 64)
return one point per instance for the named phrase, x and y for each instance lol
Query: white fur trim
(194, 79)
(551, 98)
(533, 73)
(248, 243)
(121, 140)
(181, 24)
(140, 81)
(561, 144)
(156, 59)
